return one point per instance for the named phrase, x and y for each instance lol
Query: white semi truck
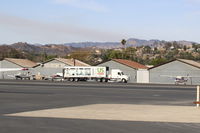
(96, 73)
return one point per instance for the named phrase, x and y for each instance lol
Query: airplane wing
(169, 76)
(179, 76)
(193, 76)
(12, 76)
(12, 69)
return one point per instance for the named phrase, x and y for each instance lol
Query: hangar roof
(189, 62)
(67, 61)
(71, 62)
(21, 62)
(131, 64)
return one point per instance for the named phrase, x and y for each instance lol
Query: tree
(184, 48)
(158, 61)
(167, 45)
(186, 55)
(147, 50)
(176, 45)
(172, 54)
(123, 42)
(83, 55)
(195, 46)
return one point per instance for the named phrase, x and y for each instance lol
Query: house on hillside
(127, 66)
(56, 65)
(15, 63)
(166, 73)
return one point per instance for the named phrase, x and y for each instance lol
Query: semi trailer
(101, 74)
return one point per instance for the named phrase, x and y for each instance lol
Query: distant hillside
(103, 45)
(139, 42)
(8, 51)
(21, 48)
(53, 49)
(130, 43)
(95, 52)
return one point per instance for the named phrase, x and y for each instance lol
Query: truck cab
(118, 75)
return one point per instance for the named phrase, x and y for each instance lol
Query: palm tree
(123, 42)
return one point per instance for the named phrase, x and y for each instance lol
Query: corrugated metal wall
(127, 70)
(50, 68)
(8, 75)
(175, 68)
(0, 72)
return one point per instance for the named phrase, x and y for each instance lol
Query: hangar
(166, 73)
(14, 63)
(127, 66)
(56, 65)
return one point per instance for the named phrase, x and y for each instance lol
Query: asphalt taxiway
(60, 107)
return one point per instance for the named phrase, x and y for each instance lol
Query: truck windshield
(122, 73)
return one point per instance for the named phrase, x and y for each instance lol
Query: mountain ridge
(131, 42)
(66, 48)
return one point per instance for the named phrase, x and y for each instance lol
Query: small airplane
(179, 79)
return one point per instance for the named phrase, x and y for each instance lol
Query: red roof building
(130, 63)
(129, 67)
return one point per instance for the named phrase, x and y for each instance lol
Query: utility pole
(74, 60)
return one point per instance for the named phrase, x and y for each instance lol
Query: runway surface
(101, 102)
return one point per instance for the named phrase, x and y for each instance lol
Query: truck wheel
(76, 79)
(71, 79)
(124, 81)
(98, 80)
(104, 80)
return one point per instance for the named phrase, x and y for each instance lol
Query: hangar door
(142, 76)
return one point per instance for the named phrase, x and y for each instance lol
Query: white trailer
(100, 74)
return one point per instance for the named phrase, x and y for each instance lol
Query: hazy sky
(61, 21)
